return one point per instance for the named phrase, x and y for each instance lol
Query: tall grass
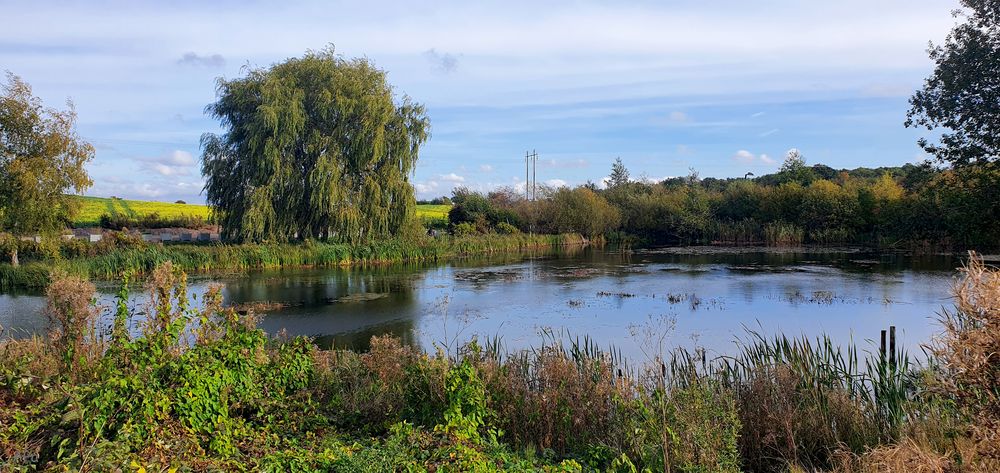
(136, 257)
(752, 232)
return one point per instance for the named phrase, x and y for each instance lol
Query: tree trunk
(13, 258)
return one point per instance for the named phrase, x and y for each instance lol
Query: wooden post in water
(892, 345)
(882, 347)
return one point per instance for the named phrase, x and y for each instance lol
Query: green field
(91, 209)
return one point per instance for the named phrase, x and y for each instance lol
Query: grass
(91, 209)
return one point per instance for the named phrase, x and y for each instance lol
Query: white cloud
(768, 132)
(485, 168)
(452, 177)
(174, 163)
(425, 187)
(555, 183)
(746, 157)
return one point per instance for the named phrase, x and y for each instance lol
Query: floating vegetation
(575, 303)
(581, 272)
(620, 295)
(822, 297)
(259, 307)
(485, 276)
(361, 297)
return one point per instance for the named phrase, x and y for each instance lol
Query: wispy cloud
(193, 59)
(441, 62)
(768, 132)
(679, 117)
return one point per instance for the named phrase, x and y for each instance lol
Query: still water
(700, 297)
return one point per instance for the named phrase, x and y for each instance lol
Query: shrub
(505, 228)
(464, 229)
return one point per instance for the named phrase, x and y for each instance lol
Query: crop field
(91, 209)
(433, 212)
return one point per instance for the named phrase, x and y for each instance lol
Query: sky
(719, 87)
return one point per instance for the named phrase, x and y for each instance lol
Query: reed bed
(136, 257)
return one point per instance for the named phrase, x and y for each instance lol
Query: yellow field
(91, 209)
(433, 212)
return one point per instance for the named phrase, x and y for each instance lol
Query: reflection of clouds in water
(843, 295)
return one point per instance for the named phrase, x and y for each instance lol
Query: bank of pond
(121, 253)
(203, 388)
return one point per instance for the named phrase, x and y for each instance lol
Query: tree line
(911, 205)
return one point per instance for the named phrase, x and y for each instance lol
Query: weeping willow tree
(316, 147)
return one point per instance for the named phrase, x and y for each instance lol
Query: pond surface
(701, 297)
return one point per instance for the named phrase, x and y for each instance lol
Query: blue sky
(723, 87)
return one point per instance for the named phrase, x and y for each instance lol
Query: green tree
(794, 169)
(583, 211)
(962, 95)
(619, 175)
(316, 146)
(41, 158)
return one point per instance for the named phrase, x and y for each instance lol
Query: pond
(699, 297)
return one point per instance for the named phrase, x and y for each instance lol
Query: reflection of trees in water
(361, 340)
(335, 302)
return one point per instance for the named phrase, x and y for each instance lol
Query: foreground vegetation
(204, 390)
(125, 253)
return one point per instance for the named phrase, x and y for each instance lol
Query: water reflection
(712, 294)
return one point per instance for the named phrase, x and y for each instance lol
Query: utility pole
(527, 177)
(534, 179)
(530, 182)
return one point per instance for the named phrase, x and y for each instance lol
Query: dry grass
(72, 315)
(969, 352)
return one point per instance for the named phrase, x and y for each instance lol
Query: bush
(505, 228)
(464, 229)
(150, 221)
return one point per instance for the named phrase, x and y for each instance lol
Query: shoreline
(196, 258)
